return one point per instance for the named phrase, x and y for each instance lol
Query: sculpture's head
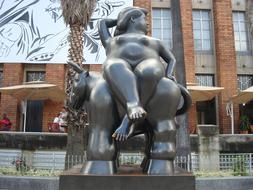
(79, 88)
(131, 16)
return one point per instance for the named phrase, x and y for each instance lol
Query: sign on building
(33, 31)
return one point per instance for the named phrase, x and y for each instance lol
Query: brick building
(217, 52)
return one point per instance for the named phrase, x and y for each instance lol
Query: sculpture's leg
(162, 109)
(101, 148)
(149, 72)
(123, 83)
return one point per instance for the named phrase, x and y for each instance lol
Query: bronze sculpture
(136, 95)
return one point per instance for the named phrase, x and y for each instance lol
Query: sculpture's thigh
(149, 72)
(101, 149)
(161, 112)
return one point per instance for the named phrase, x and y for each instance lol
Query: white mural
(33, 31)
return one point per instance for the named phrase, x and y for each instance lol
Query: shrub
(244, 123)
(20, 164)
(239, 166)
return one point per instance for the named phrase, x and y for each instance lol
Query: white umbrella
(35, 91)
(243, 96)
(203, 93)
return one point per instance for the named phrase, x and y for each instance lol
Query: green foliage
(204, 173)
(30, 172)
(244, 123)
(239, 166)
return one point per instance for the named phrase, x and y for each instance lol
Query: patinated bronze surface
(137, 94)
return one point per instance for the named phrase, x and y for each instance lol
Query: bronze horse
(137, 94)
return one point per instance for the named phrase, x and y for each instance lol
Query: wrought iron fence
(241, 164)
(238, 164)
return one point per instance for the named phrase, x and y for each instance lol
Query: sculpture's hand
(171, 77)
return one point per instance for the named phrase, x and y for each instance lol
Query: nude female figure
(133, 59)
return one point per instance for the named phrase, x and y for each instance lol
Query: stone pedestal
(131, 181)
(208, 147)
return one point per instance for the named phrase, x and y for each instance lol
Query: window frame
(162, 28)
(30, 71)
(201, 20)
(244, 75)
(207, 75)
(248, 37)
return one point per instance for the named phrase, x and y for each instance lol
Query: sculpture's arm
(169, 58)
(103, 29)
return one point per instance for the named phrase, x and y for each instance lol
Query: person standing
(5, 123)
(62, 120)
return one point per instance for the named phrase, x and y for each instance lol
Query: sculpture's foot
(161, 167)
(121, 133)
(135, 112)
(99, 167)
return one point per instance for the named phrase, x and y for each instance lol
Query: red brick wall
(55, 74)
(225, 57)
(192, 119)
(147, 5)
(96, 67)
(12, 75)
(188, 43)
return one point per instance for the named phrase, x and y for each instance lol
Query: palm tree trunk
(249, 11)
(76, 14)
(76, 120)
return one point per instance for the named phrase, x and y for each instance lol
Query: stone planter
(208, 147)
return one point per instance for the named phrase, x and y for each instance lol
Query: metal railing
(237, 162)
(241, 164)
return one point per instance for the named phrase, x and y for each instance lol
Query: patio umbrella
(244, 96)
(35, 91)
(203, 93)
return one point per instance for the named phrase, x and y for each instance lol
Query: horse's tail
(187, 100)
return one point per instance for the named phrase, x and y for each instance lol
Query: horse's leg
(148, 143)
(161, 112)
(101, 148)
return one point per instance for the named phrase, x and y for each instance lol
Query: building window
(244, 81)
(241, 32)
(205, 79)
(35, 76)
(202, 30)
(162, 26)
(204, 108)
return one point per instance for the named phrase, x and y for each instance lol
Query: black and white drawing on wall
(33, 31)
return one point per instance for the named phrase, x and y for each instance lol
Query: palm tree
(249, 10)
(76, 14)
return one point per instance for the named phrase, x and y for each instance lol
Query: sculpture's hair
(125, 16)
